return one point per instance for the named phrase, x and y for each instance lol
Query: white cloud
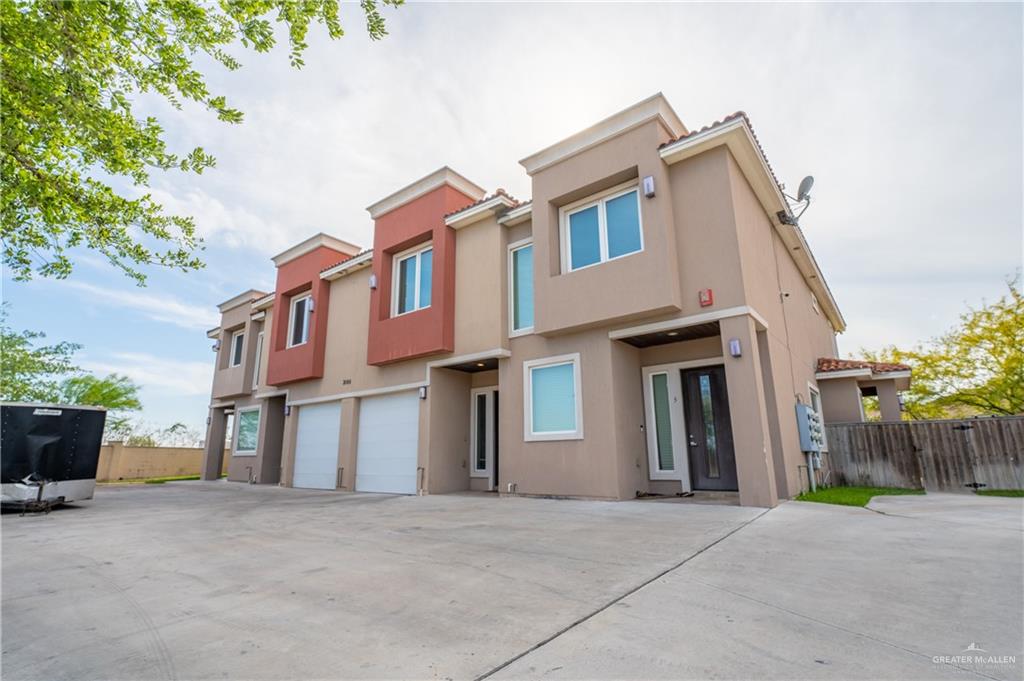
(158, 307)
(231, 226)
(150, 371)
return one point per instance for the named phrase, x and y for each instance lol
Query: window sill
(528, 331)
(551, 437)
(252, 453)
(396, 315)
(602, 262)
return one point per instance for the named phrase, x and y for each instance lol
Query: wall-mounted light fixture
(373, 281)
(216, 346)
(423, 392)
(649, 186)
(735, 349)
(287, 410)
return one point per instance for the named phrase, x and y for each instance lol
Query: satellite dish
(804, 192)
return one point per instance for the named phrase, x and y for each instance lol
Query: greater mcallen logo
(974, 655)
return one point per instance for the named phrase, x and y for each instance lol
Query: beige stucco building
(647, 324)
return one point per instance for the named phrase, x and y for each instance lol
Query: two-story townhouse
(646, 324)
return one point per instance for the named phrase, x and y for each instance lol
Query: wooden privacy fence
(939, 456)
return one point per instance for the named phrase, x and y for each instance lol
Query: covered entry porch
(708, 405)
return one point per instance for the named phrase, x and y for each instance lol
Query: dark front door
(709, 429)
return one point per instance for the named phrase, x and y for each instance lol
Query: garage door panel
(316, 446)
(388, 443)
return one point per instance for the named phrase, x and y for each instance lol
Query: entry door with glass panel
(709, 429)
(483, 436)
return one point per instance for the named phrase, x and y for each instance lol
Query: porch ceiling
(473, 367)
(685, 333)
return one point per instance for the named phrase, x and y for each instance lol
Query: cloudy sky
(908, 116)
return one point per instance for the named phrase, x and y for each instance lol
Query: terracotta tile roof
(829, 364)
(498, 192)
(729, 119)
(360, 253)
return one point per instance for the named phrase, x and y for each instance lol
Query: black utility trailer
(50, 454)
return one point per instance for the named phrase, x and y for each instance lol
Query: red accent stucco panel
(431, 330)
(298, 276)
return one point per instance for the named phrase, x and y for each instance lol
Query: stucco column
(840, 400)
(889, 401)
(213, 452)
(748, 410)
(291, 420)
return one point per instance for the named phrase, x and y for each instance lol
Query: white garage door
(316, 446)
(388, 441)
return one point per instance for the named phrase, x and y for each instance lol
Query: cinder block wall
(118, 462)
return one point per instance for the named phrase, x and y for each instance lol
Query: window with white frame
(256, 364)
(815, 403)
(247, 424)
(552, 399)
(520, 268)
(601, 228)
(299, 319)
(236, 347)
(411, 278)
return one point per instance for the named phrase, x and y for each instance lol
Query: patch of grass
(852, 496)
(169, 478)
(1000, 492)
(152, 481)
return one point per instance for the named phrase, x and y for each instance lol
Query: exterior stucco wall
(448, 431)
(841, 400)
(606, 292)
(229, 381)
(707, 248)
(797, 334)
(586, 467)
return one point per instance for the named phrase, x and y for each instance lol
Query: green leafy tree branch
(974, 368)
(69, 74)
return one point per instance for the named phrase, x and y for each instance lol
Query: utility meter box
(810, 428)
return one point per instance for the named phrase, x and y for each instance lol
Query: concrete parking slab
(962, 509)
(222, 580)
(219, 580)
(816, 591)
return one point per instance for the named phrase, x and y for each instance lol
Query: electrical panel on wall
(810, 428)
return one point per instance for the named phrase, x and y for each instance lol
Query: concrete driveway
(219, 580)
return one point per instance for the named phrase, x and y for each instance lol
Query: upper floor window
(256, 364)
(298, 321)
(237, 341)
(521, 287)
(411, 280)
(601, 228)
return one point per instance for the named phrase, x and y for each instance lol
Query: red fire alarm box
(707, 297)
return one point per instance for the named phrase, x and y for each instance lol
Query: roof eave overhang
(263, 303)
(473, 214)
(654, 108)
(439, 178)
(737, 136)
(241, 298)
(518, 215)
(213, 333)
(311, 244)
(347, 267)
(862, 374)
